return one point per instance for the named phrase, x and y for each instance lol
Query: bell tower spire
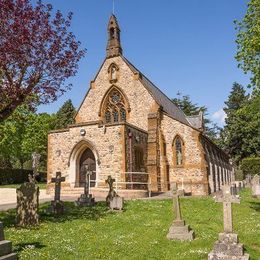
(113, 44)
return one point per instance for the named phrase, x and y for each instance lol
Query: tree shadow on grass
(255, 206)
(22, 246)
(71, 212)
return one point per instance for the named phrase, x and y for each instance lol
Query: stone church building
(127, 128)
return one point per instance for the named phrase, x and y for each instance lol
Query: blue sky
(186, 46)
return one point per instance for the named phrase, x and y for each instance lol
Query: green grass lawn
(139, 232)
(15, 186)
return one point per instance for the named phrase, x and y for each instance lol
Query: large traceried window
(178, 151)
(114, 107)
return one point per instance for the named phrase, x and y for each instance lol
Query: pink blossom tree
(37, 54)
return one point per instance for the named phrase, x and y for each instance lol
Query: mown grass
(139, 232)
(15, 186)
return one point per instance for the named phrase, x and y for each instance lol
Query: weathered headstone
(27, 205)
(5, 246)
(57, 206)
(178, 229)
(227, 246)
(233, 189)
(86, 198)
(114, 201)
(248, 180)
(256, 186)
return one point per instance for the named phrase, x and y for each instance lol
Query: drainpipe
(130, 157)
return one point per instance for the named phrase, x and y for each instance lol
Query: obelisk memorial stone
(178, 229)
(27, 205)
(5, 246)
(227, 246)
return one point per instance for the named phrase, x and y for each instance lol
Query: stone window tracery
(115, 110)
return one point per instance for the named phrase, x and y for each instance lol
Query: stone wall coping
(59, 131)
(99, 123)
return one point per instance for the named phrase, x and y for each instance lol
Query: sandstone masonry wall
(192, 172)
(139, 98)
(106, 143)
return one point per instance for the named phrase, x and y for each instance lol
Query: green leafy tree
(241, 136)
(65, 115)
(24, 133)
(248, 43)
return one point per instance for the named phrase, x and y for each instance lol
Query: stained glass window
(115, 115)
(115, 108)
(108, 117)
(123, 114)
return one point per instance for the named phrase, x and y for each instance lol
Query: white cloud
(219, 117)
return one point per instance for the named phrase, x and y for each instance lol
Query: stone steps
(5, 247)
(11, 256)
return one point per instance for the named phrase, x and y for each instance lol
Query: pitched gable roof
(167, 105)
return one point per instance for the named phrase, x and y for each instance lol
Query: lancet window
(178, 147)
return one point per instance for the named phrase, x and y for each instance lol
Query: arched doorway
(87, 159)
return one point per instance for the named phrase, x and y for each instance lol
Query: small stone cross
(57, 182)
(176, 203)
(227, 198)
(87, 182)
(110, 182)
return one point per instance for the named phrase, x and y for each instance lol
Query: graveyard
(138, 232)
(160, 162)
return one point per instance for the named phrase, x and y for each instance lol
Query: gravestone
(256, 186)
(233, 189)
(227, 246)
(57, 206)
(27, 205)
(248, 180)
(178, 229)
(5, 246)
(86, 199)
(114, 201)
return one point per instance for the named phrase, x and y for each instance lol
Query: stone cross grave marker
(57, 180)
(57, 206)
(227, 199)
(5, 246)
(227, 246)
(114, 201)
(178, 229)
(27, 204)
(86, 198)
(111, 193)
(35, 165)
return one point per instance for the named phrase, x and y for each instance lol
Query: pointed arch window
(178, 151)
(114, 107)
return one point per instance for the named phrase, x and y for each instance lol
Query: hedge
(250, 166)
(17, 176)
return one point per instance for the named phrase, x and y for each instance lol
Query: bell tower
(113, 44)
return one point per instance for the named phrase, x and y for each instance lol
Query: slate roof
(167, 105)
(196, 121)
